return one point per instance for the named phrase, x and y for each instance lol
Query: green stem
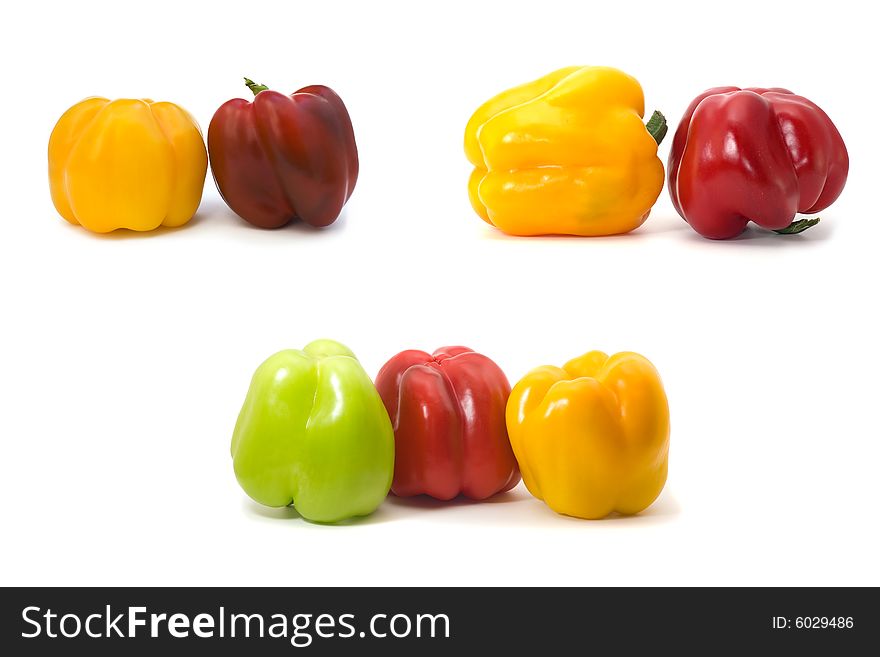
(796, 227)
(253, 86)
(657, 127)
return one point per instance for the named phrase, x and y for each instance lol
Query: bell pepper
(282, 158)
(566, 154)
(313, 433)
(759, 155)
(450, 437)
(592, 437)
(126, 163)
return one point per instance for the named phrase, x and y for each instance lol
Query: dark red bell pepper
(450, 433)
(759, 155)
(281, 158)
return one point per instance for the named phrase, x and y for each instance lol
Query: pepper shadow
(497, 235)
(665, 508)
(535, 513)
(754, 235)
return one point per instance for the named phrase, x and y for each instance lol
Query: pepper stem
(253, 86)
(657, 127)
(796, 227)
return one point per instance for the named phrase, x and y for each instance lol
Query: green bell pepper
(313, 432)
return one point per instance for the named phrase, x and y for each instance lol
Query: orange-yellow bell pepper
(566, 154)
(592, 437)
(128, 163)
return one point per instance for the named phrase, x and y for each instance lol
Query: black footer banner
(278, 621)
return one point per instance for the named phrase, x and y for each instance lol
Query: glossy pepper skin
(313, 433)
(592, 437)
(126, 163)
(566, 154)
(447, 409)
(759, 155)
(282, 158)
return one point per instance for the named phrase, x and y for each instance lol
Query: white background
(124, 359)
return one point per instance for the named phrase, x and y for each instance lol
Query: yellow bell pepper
(592, 437)
(567, 154)
(128, 163)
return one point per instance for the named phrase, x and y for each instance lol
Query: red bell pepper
(759, 155)
(450, 433)
(282, 158)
